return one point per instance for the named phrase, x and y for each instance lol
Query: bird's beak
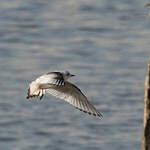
(72, 75)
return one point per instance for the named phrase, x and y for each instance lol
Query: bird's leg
(38, 94)
(41, 94)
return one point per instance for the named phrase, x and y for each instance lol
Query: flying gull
(56, 84)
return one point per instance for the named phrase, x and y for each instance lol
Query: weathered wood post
(146, 121)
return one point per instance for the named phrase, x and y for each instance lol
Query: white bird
(56, 84)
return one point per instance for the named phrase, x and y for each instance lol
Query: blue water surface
(106, 44)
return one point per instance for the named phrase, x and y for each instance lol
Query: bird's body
(56, 84)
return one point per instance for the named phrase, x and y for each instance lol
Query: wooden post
(146, 121)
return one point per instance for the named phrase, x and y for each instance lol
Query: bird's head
(67, 75)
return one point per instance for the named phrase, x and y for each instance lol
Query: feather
(73, 95)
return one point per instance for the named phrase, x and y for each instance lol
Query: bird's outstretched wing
(51, 78)
(73, 95)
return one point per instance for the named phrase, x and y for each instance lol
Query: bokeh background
(105, 43)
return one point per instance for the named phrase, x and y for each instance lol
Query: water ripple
(106, 44)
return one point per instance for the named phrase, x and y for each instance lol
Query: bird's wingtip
(100, 116)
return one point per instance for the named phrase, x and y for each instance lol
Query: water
(105, 43)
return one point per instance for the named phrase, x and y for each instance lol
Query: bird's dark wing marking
(58, 78)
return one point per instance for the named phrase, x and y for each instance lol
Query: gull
(56, 84)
